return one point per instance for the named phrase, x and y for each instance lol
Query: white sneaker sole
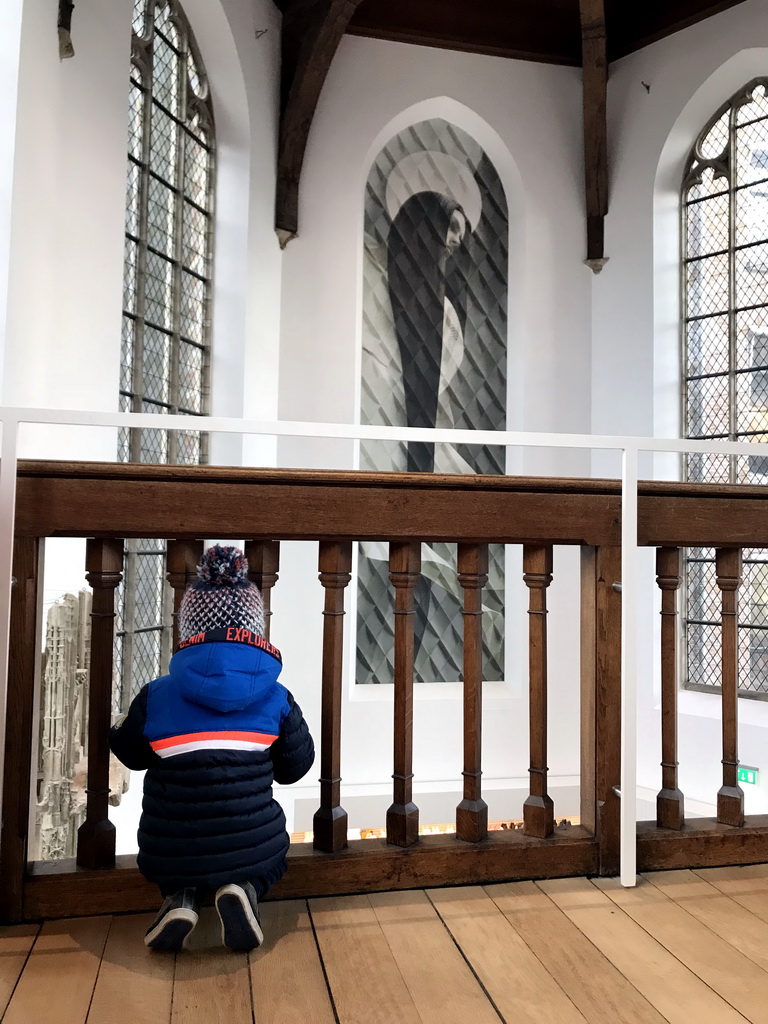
(171, 932)
(240, 928)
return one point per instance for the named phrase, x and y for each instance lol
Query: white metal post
(628, 817)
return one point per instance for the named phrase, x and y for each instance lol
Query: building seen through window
(725, 362)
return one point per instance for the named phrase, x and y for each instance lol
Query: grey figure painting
(434, 355)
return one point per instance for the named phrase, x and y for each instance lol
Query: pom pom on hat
(222, 566)
(221, 596)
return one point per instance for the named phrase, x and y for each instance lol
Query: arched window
(166, 296)
(434, 354)
(725, 361)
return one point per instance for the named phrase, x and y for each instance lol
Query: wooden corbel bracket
(311, 33)
(595, 85)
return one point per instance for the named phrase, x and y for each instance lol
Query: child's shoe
(174, 922)
(238, 909)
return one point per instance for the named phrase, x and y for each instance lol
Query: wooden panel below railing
(58, 889)
(366, 865)
(702, 843)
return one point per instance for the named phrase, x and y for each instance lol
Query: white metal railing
(629, 447)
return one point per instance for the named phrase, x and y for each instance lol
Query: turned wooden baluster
(181, 570)
(330, 820)
(403, 815)
(730, 797)
(96, 836)
(538, 810)
(670, 811)
(263, 568)
(472, 812)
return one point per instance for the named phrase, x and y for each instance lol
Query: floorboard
(439, 980)
(747, 886)
(683, 947)
(286, 972)
(676, 992)
(592, 982)
(134, 984)
(16, 941)
(735, 923)
(57, 983)
(737, 979)
(517, 982)
(366, 983)
(211, 986)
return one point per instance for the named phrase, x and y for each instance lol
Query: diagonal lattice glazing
(167, 291)
(725, 363)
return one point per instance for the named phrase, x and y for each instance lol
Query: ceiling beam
(595, 87)
(633, 26)
(311, 33)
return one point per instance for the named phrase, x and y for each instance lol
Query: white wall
(10, 56)
(66, 254)
(635, 347)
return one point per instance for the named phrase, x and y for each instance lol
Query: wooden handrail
(187, 502)
(365, 478)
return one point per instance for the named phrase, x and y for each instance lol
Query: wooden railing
(110, 503)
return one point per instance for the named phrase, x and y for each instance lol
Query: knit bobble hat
(221, 596)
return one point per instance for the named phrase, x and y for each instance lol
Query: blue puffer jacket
(213, 735)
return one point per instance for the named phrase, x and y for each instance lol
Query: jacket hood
(224, 676)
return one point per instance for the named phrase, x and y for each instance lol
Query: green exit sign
(749, 775)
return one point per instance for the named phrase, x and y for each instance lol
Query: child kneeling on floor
(213, 735)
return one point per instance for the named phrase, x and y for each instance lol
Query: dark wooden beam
(311, 33)
(595, 83)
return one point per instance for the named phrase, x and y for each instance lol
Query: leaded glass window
(725, 362)
(166, 298)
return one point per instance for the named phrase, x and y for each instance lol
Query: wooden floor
(685, 947)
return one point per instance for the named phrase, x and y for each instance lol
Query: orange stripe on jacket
(190, 737)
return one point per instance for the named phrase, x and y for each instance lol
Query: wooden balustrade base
(702, 843)
(59, 889)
